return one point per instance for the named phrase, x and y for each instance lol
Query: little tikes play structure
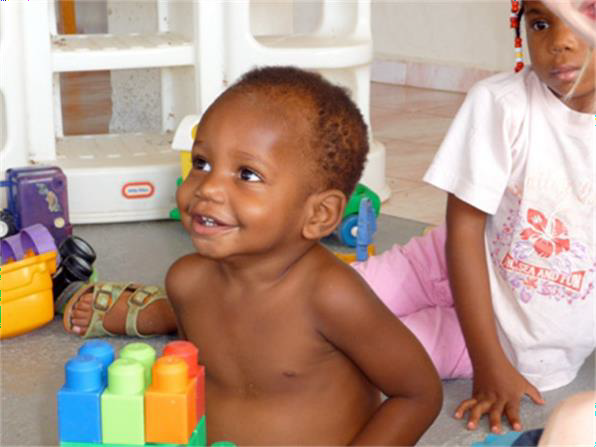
(200, 47)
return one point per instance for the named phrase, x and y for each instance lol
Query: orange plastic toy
(26, 300)
(170, 407)
(189, 352)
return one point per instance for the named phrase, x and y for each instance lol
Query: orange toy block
(170, 403)
(189, 352)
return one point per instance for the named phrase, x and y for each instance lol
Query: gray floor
(32, 364)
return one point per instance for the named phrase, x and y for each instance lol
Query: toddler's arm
(498, 387)
(357, 323)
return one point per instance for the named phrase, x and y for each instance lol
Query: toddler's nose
(212, 188)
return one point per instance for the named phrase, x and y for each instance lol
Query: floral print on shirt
(538, 258)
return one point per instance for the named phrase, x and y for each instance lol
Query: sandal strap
(104, 295)
(137, 301)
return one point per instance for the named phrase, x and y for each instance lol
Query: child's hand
(497, 390)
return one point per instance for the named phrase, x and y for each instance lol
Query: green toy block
(143, 353)
(122, 404)
(199, 436)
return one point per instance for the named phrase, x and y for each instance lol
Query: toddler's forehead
(293, 123)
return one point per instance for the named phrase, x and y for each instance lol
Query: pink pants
(412, 282)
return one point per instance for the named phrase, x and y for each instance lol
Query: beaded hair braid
(514, 22)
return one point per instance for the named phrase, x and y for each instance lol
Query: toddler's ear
(324, 211)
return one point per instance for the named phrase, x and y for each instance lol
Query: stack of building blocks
(132, 400)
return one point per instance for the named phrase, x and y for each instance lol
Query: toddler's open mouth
(207, 225)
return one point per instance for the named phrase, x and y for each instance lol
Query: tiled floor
(410, 121)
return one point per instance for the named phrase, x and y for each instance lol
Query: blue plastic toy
(79, 411)
(367, 226)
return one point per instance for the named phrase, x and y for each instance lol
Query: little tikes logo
(138, 190)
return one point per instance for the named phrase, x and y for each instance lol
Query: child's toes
(81, 314)
(79, 322)
(82, 306)
(84, 303)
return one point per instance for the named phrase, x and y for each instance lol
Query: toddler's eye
(248, 175)
(540, 25)
(200, 164)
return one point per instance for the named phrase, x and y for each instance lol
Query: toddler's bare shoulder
(338, 285)
(186, 275)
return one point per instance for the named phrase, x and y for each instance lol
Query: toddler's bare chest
(261, 350)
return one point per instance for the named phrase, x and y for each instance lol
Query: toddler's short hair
(338, 140)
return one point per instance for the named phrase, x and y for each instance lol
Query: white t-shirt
(518, 153)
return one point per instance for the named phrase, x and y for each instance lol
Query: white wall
(468, 33)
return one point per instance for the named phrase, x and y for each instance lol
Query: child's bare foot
(156, 318)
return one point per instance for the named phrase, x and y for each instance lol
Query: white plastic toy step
(85, 52)
(117, 178)
(318, 51)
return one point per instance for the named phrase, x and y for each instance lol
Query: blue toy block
(79, 412)
(102, 351)
(493, 440)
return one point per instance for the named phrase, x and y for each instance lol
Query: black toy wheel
(8, 227)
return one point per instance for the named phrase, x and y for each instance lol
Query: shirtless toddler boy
(297, 347)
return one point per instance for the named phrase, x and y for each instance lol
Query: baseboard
(426, 75)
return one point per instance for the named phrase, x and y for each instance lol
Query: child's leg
(438, 329)
(572, 422)
(413, 283)
(410, 277)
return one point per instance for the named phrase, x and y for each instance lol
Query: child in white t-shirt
(519, 166)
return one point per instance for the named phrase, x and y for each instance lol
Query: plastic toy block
(201, 392)
(170, 402)
(79, 413)
(199, 436)
(91, 444)
(102, 351)
(189, 352)
(223, 444)
(142, 353)
(493, 440)
(198, 439)
(122, 404)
